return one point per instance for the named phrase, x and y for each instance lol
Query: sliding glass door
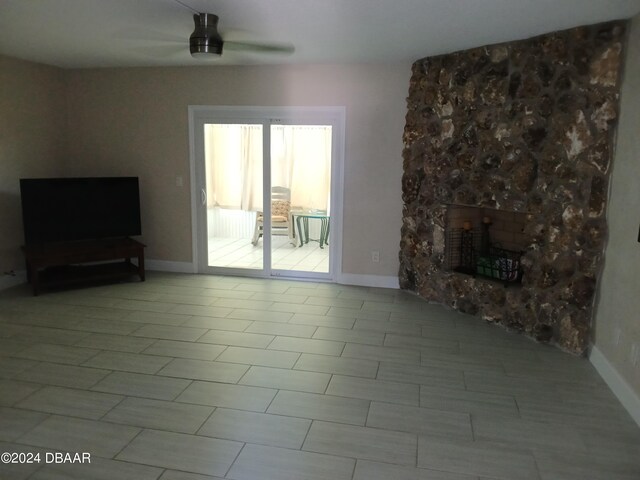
(301, 164)
(266, 189)
(233, 176)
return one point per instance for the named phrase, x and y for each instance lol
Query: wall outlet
(375, 256)
(179, 181)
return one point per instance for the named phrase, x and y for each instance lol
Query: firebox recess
(486, 243)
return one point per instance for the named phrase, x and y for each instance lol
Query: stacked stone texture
(528, 127)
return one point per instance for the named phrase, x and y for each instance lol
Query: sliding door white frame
(199, 115)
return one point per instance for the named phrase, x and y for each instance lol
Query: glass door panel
(301, 190)
(233, 156)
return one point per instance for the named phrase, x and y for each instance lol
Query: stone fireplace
(522, 133)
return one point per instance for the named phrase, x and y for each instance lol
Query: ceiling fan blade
(147, 35)
(160, 51)
(276, 48)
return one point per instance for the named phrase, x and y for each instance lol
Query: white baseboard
(8, 281)
(20, 277)
(166, 266)
(345, 279)
(368, 280)
(618, 385)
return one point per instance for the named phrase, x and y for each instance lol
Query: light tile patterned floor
(187, 377)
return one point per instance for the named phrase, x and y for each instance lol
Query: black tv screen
(73, 209)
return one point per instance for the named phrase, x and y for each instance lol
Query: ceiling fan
(206, 42)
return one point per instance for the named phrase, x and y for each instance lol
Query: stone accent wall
(525, 127)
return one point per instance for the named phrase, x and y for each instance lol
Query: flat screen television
(75, 209)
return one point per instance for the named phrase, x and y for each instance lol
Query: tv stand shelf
(75, 262)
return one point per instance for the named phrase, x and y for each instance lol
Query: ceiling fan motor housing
(205, 39)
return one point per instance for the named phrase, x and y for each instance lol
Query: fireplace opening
(484, 242)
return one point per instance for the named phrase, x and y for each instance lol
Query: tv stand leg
(141, 266)
(32, 276)
(28, 269)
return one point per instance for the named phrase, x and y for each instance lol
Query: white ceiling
(118, 33)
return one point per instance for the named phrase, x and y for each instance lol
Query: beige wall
(617, 325)
(135, 122)
(32, 135)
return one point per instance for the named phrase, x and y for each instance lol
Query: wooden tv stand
(75, 262)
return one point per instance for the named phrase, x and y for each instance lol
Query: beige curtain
(300, 161)
(233, 162)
